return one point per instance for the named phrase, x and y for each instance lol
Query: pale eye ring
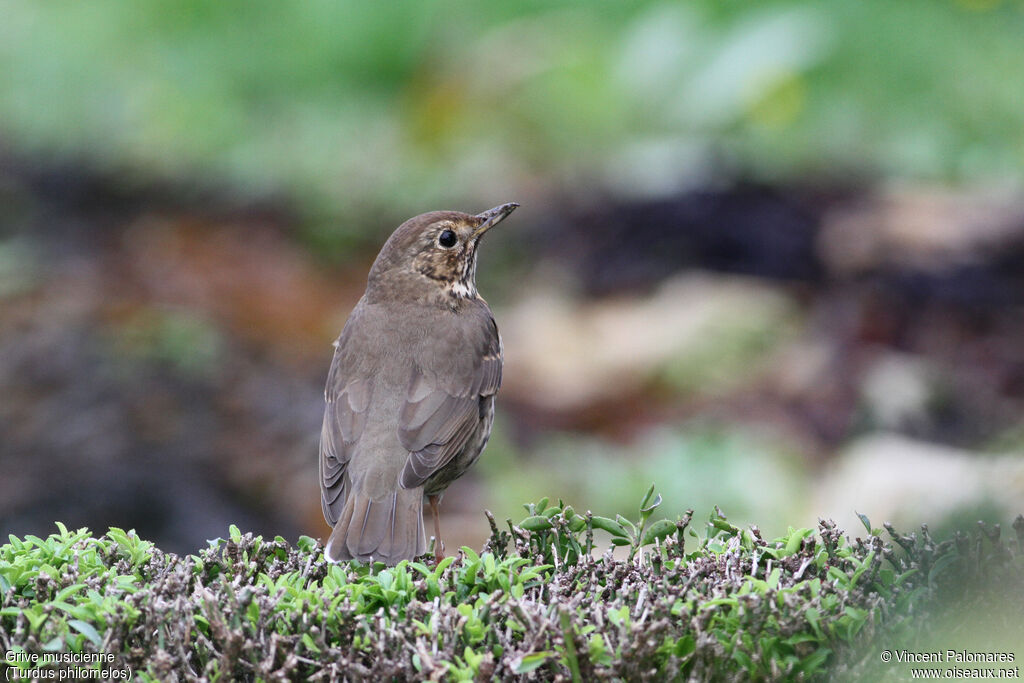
(447, 239)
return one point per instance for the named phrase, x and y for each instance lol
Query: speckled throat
(455, 273)
(464, 286)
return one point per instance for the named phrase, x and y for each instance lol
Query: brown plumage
(410, 393)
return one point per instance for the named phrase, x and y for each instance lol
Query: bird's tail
(388, 530)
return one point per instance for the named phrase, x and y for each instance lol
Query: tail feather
(388, 530)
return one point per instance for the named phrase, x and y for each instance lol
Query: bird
(409, 400)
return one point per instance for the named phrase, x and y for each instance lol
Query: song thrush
(410, 393)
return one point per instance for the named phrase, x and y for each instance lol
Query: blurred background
(770, 255)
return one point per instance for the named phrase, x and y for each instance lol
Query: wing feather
(348, 399)
(445, 400)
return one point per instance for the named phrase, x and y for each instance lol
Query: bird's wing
(446, 397)
(348, 396)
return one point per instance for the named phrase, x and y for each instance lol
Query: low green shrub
(538, 603)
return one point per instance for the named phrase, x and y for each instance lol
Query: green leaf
(652, 507)
(646, 498)
(731, 602)
(70, 590)
(796, 539)
(813, 617)
(307, 640)
(626, 524)
(685, 646)
(721, 524)
(598, 650)
(864, 520)
(609, 525)
(442, 565)
(864, 566)
(527, 663)
(939, 566)
(813, 662)
(837, 575)
(536, 523)
(620, 616)
(657, 531)
(906, 575)
(87, 630)
(118, 535)
(50, 571)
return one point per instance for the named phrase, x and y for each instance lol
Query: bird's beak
(492, 217)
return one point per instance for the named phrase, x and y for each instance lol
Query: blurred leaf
(528, 663)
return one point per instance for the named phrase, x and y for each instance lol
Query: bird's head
(434, 253)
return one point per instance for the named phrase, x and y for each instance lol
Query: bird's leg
(438, 545)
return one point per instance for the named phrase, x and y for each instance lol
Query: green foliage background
(350, 107)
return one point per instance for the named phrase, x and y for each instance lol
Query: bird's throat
(463, 289)
(464, 286)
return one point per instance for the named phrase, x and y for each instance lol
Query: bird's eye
(447, 239)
